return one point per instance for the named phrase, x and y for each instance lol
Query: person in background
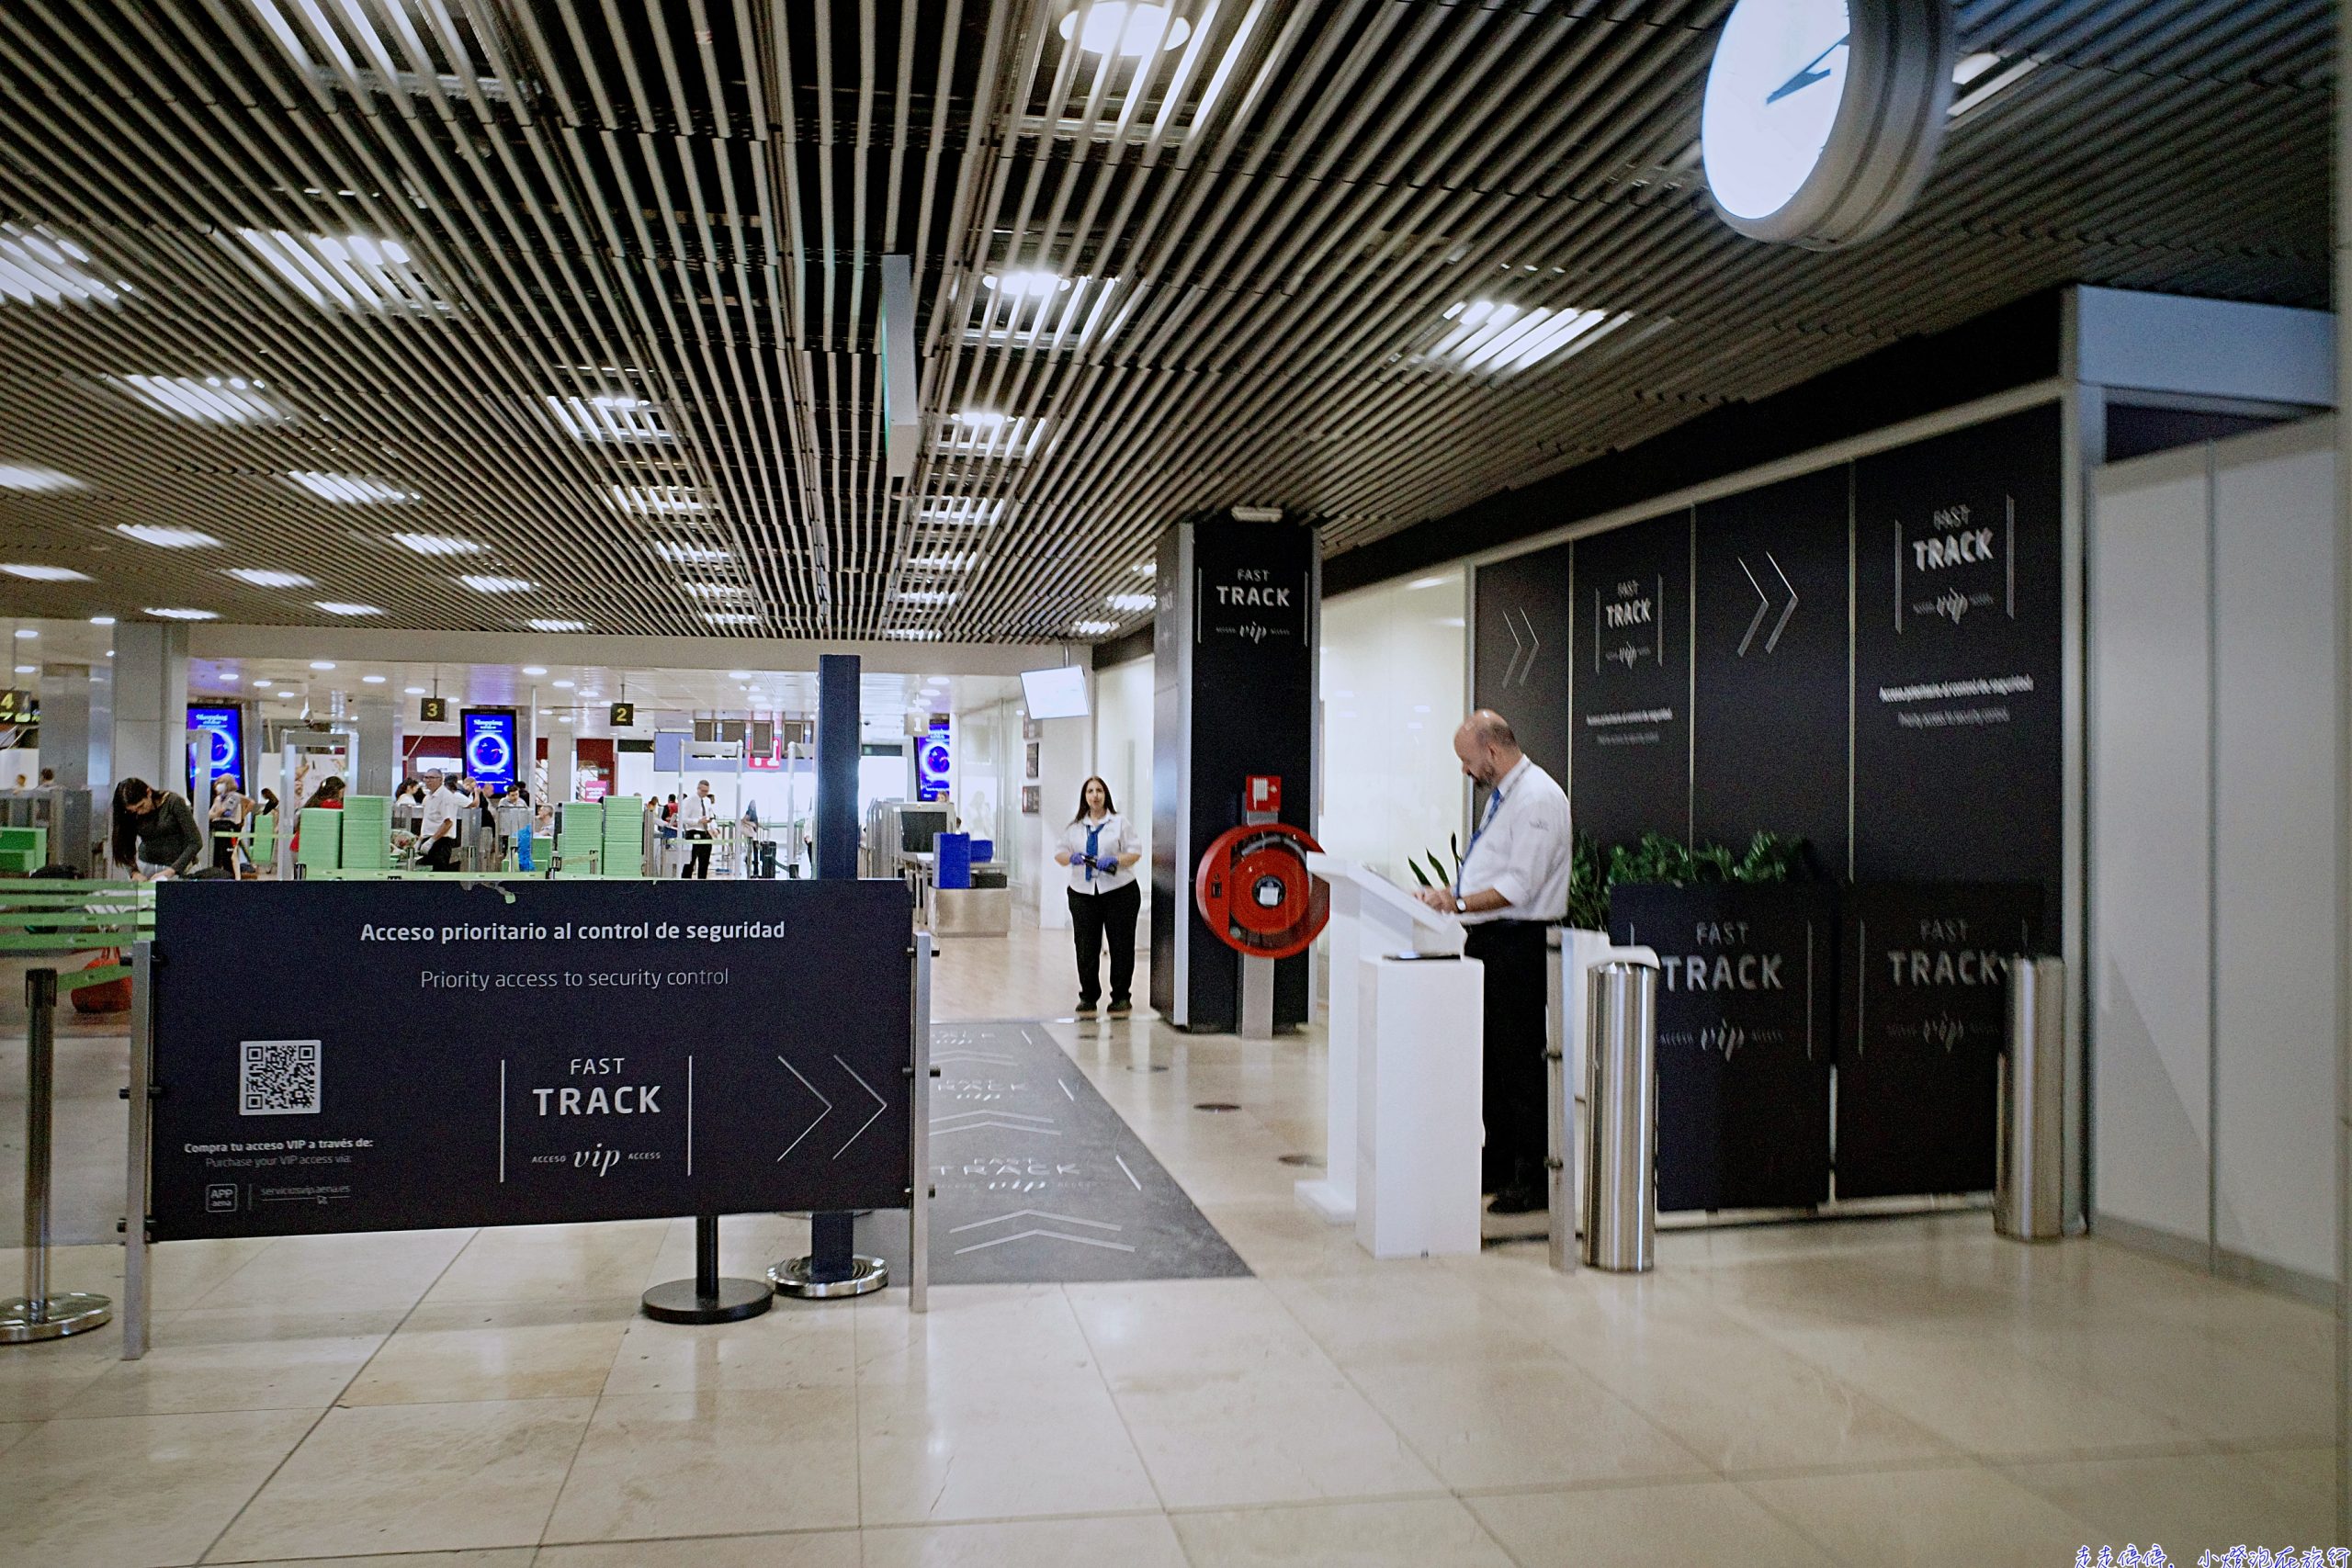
(328, 796)
(1100, 847)
(1513, 883)
(154, 832)
(47, 777)
(694, 818)
(440, 824)
(268, 806)
(407, 801)
(227, 815)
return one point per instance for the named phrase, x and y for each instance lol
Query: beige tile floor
(1902, 1392)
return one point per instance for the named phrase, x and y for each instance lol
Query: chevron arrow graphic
(1762, 605)
(821, 1115)
(1783, 624)
(1535, 647)
(880, 1105)
(1518, 649)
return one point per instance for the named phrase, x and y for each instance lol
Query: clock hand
(1806, 75)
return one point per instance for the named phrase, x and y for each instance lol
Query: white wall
(2212, 836)
(1393, 681)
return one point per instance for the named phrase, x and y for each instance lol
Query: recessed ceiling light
(656, 497)
(371, 679)
(211, 399)
(1145, 568)
(592, 696)
(729, 618)
(554, 626)
(1095, 629)
(695, 555)
(321, 663)
(959, 511)
(346, 272)
(925, 597)
(912, 634)
(1428, 583)
(41, 572)
(714, 590)
(1116, 26)
(986, 433)
(414, 691)
(335, 607)
(739, 675)
(1977, 73)
(435, 543)
(565, 686)
(262, 577)
(26, 634)
(534, 669)
(173, 614)
(497, 584)
(1035, 283)
(102, 620)
(1129, 603)
(20, 476)
(168, 538)
(39, 268)
(27, 668)
(609, 419)
(263, 681)
(1497, 335)
(227, 679)
(939, 563)
(348, 488)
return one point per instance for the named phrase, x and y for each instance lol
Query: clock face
(1778, 78)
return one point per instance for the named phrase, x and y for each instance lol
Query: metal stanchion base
(682, 1300)
(72, 1313)
(790, 1278)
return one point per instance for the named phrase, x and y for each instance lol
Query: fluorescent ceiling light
(335, 607)
(729, 618)
(182, 615)
(558, 625)
(985, 433)
(653, 498)
(1128, 604)
(1023, 308)
(534, 669)
(1977, 73)
(1033, 284)
(564, 719)
(102, 620)
(262, 577)
(939, 563)
(414, 691)
(691, 554)
(20, 476)
(959, 511)
(1095, 629)
(1145, 568)
(346, 272)
(1116, 27)
(212, 400)
(41, 572)
(714, 590)
(1497, 335)
(263, 681)
(27, 668)
(371, 679)
(321, 663)
(1428, 583)
(482, 585)
(608, 419)
(26, 634)
(739, 675)
(348, 487)
(912, 634)
(565, 686)
(925, 597)
(39, 268)
(435, 543)
(226, 679)
(169, 538)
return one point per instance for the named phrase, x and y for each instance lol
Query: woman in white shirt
(1100, 849)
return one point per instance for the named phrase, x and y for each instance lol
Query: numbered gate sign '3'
(1255, 892)
(1822, 117)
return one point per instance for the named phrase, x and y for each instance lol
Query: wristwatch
(1461, 904)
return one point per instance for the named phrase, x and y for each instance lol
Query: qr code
(279, 1078)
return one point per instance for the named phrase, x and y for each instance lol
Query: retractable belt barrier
(427, 1053)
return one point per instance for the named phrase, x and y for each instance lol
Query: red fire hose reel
(1254, 890)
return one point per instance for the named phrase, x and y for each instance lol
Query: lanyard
(1494, 809)
(1094, 838)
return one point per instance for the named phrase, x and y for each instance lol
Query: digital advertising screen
(935, 761)
(489, 735)
(216, 744)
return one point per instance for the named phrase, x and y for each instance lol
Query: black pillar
(835, 852)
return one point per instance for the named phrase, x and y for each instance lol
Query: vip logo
(1628, 656)
(1943, 1029)
(599, 1159)
(1726, 1038)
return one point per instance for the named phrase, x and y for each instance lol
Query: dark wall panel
(1520, 663)
(1956, 737)
(1771, 650)
(1631, 739)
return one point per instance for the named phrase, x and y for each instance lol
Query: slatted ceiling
(680, 205)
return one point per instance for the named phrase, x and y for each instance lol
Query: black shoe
(1519, 1200)
(1122, 1009)
(1085, 1008)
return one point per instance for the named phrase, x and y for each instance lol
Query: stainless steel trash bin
(2029, 1191)
(1621, 1100)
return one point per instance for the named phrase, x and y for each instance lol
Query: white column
(380, 743)
(67, 728)
(2343, 793)
(151, 703)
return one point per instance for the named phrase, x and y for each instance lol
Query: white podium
(1419, 1081)
(1369, 915)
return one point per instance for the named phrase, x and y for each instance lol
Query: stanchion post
(38, 1315)
(919, 1137)
(707, 1298)
(1620, 1104)
(141, 1097)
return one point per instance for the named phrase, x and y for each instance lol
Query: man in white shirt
(695, 814)
(437, 827)
(1512, 884)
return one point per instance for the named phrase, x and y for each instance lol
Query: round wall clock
(1822, 117)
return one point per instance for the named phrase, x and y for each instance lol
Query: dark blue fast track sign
(406, 1054)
